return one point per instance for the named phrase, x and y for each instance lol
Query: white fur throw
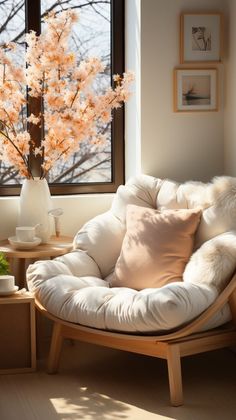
(220, 216)
(214, 262)
(217, 199)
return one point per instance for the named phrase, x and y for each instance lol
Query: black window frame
(32, 22)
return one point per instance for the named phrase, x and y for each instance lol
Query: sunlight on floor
(91, 406)
(62, 406)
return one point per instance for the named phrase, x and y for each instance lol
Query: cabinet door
(17, 336)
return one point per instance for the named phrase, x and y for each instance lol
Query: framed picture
(200, 37)
(195, 89)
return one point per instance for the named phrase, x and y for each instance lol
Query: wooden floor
(95, 383)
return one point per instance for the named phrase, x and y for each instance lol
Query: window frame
(32, 11)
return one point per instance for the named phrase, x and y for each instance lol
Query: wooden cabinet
(17, 334)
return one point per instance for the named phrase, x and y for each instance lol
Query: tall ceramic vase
(35, 203)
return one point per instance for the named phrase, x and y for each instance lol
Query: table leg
(12, 265)
(17, 269)
(21, 273)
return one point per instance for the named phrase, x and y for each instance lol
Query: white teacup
(7, 283)
(25, 233)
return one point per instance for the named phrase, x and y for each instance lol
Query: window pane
(91, 37)
(12, 14)
(12, 28)
(90, 170)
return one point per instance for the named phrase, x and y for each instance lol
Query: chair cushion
(70, 288)
(156, 247)
(88, 301)
(75, 287)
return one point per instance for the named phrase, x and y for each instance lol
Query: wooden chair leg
(232, 304)
(175, 375)
(55, 348)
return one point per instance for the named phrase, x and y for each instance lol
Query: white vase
(35, 203)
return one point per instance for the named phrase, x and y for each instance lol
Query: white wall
(230, 88)
(174, 145)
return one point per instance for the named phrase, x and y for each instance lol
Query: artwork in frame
(195, 89)
(201, 37)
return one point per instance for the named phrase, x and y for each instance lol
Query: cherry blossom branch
(18, 151)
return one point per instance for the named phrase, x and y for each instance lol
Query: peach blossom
(73, 110)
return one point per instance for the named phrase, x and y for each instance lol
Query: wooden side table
(17, 332)
(54, 248)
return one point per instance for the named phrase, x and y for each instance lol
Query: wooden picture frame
(195, 89)
(201, 37)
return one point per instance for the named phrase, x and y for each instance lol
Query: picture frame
(201, 37)
(195, 89)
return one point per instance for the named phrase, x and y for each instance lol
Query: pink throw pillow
(156, 247)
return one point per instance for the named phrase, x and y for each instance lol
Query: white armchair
(105, 292)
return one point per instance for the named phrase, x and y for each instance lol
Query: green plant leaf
(4, 265)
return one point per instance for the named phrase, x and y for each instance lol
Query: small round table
(55, 247)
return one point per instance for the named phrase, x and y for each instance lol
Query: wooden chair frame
(184, 342)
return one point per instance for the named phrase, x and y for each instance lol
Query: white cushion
(75, 287)
(89, 301)
(101, 238)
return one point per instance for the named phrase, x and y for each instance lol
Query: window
(100, 32)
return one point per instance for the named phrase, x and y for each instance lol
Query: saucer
(24, 245)
(9, 292)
